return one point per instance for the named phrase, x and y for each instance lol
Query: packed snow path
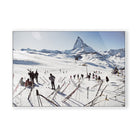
(79, 92)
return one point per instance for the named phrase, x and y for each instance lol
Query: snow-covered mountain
(51, 51)
(85, 53)
(115, 52)
(42, 50)
(80, 48)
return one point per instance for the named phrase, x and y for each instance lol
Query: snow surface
(51, 62)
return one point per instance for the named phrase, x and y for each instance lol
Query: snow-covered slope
(63, 68)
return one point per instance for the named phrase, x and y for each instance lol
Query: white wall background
(66, 15)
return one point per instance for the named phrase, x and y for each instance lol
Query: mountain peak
(79, 43)
(81, 47)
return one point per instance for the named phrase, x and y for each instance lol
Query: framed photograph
(68, 69)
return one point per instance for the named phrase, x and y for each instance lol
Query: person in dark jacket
(82, 76)
(36, 76)
(52, 79)
(99, 78)
(74, 76)
(78, 76)
(107, 79)
(89, 77)
(32, 76)
(93, 75)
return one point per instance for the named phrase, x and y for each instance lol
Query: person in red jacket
(28, 83)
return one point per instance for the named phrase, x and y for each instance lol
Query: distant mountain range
(110, 58)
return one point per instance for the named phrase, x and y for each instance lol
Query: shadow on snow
(25, 62)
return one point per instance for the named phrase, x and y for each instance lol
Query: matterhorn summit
(81, 48)
(79, 43)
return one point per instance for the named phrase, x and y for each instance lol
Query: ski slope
(111, 94)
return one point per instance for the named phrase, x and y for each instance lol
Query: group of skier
(89, 76)
(34, 76)
(30, 81)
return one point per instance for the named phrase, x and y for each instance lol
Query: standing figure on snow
(78, 76)
(89, 77)
(22, 83)
(52, 79)
(96, 77)
(99, 78)
(36, 76)
(93, 75)
(74, 76)
(31, 74)
(82, 76)
(107, 79)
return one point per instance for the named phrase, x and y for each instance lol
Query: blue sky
(63, 40)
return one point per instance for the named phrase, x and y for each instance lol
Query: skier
(96, 77)
(52, 79)
(107, 79)
(78, 76)
(31, 74)
(93, 75)
(74, 76)
(22, 83)
(82, 76)
(89, 77)
(99, 78)
(36, 76)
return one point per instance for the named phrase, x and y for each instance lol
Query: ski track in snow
(113, 95)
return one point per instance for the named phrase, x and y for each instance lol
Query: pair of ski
(61, 79)
(39, 99)
(56, 91)
(76, 84)
(28, 95)
(16, 87)
(44, 80)
(68, 97)
(19, 92)
(23, 90)
(91, 103)
(66, 87)
(94, 86)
